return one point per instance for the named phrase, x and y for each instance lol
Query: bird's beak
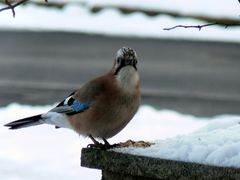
(129, 62)
(133, 63)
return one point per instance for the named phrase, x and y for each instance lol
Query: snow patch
(217, 143)
(54, 153)
(78, 18)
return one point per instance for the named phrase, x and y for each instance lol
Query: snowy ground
(43, 152)
(78, 18)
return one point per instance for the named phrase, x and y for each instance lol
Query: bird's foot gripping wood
(101, 146)
(98, 145)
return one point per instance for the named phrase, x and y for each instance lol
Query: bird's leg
(94, 140)
(105, 142)
(96, 143)
(99, 145)
(108, 145)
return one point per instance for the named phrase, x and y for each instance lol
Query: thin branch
(222, 21)
(199, 27)
(13, 6)
(10, 6)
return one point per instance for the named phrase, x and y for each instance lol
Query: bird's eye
(118, 60)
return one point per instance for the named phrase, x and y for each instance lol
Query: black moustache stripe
(123, 65)
(118, 69)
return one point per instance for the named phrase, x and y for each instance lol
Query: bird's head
(125, 70)
(125, 57)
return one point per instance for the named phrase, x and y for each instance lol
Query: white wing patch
(56, 119)
(66, 100)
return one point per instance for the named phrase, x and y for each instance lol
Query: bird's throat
(128, 79)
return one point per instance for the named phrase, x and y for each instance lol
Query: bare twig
(199, 27)
(209, 20)
(10, 6)
(13, 6)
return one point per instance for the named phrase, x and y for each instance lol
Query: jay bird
(100, 108)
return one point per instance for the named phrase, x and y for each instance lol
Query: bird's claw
(101, 146)
(98, 145)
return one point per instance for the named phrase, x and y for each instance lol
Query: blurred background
(50, 49)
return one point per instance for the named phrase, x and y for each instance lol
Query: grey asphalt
(200, 78)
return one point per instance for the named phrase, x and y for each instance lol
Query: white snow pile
(40, 152)
(211, 8)
(43, 152)
(110, 21)
(217, 143)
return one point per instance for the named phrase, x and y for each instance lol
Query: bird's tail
(26, 122)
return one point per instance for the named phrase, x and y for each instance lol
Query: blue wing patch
(71, 106)
(78, 106)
